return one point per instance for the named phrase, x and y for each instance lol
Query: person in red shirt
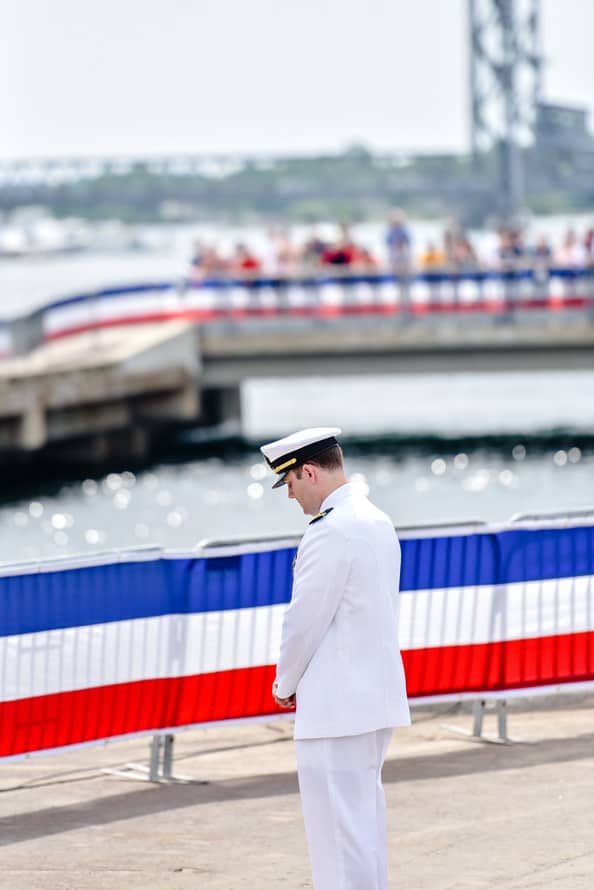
(244, 261)
(343, 252)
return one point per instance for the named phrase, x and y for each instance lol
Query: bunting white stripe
(493, 613)
(69, 659)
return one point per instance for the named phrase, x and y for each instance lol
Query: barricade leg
(160, 765)
(155, 758)
(479, 709)
(167, 743)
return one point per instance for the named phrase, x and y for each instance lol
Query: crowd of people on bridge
(282, 255)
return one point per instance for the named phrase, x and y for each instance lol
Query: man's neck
(333, 483)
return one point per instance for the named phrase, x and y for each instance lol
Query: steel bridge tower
(505, 76)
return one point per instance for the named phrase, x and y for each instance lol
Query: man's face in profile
(301, 489)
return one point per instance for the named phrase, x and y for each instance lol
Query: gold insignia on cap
(288, 463)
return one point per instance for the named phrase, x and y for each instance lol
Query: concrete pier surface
(462, 814)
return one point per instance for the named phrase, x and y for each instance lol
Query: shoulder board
(321, 515)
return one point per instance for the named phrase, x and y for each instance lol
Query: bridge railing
(510, 295)
(149, 641)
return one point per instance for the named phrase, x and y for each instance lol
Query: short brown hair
(331, 459)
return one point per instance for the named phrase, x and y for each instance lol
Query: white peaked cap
(291, 451)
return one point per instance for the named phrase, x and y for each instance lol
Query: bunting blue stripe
(129, 590)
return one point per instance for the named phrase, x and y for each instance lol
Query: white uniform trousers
(344, 809)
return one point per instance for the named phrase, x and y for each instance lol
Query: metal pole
(154, 758)
(168, 741)
(478, 712)
(501, 711)
(512, 159)
(473, 37)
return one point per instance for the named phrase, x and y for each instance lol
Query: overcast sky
(151, 76)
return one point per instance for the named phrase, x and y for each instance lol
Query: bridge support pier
(131, 444)
(222, 406)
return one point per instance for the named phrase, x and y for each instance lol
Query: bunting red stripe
(69, 718)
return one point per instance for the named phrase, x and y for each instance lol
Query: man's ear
(310, 472)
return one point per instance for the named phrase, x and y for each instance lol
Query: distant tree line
(350, 186)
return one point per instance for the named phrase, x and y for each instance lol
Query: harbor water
(412, 443)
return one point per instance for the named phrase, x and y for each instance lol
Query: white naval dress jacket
(339, 645)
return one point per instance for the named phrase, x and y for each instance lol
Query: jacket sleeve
(321, 572)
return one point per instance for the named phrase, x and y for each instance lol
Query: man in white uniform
(340, 660)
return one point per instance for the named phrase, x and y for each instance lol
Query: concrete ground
(463, 815)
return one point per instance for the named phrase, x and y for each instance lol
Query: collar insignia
(321, 515)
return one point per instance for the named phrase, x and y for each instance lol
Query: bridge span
(380, 348)
(96, 376)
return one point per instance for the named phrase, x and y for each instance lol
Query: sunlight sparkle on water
(258, 472)
(121, 499)
(507, 478)
(113, 482)
(478, 481)
(174, 519)
(59, 521)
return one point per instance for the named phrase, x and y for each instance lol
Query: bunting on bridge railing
(486, 291)
(146, 641)
(472, 291)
